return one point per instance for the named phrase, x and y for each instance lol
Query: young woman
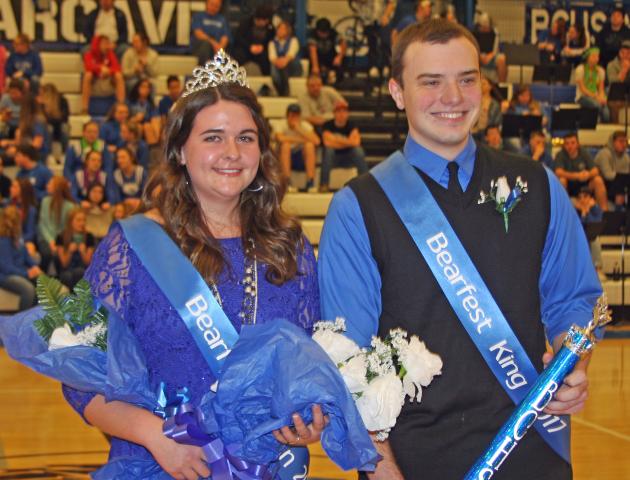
(74, 248)
(53, 214)
(128, 179)
(142, 110)
(17, 268)
(56, 111)
(217, 196)
(91, 174)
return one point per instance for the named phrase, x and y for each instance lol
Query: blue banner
(539, 16)
(58, 24)
(465, 290)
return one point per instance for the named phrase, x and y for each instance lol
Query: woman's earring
(256, 188)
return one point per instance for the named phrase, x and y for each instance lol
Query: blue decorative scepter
(577, 343)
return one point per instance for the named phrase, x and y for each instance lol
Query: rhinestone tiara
(221, 69)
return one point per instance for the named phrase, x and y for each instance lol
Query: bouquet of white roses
(380, 377)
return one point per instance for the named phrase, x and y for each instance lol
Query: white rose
(381, 402)
(503, 189)
(421, 364)
(338, 347)
(63, 337)
(354, 373)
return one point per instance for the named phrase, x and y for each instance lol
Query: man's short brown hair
(436, 31)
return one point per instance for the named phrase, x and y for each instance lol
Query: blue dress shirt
(350, 283)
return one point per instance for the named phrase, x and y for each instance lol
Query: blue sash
(190, 296)
(465, 290)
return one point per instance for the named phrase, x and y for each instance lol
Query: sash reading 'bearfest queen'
(194, 302)
(440, 248)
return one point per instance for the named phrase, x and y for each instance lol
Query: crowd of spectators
(51, 223)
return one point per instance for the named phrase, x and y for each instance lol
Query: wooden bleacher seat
(307, 204)
(65, 82)
(599, 136)
(276, 107)
(313, 230)
(9, 302)
(176, 64)
(62, 62)
(297, 86)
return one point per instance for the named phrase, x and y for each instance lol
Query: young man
(174, 86)
(298, 142)
(342, 144)
(575, 169)
(210, 32)
(538, 271)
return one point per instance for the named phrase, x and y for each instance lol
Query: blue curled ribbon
(182, 423)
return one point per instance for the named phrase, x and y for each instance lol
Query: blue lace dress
(119, 281)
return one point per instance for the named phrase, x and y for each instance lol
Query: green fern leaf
(51, 298)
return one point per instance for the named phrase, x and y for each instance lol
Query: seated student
(209, 32)
(5, 182)
(342, 145)
(575, 169)
(53, 213)
(590, 212)
(551, 42)
(22, 197)
(10, 107)
(102, 75)
(98, 212)
(577, 42)
(590, 79)
(492, 62)
(17, 268)
(318, 102)
(489, 111)
(92, 173)
(613, 159)
(139, 61)
(107, 20)
(142, 111)
(110, 130)
(617, 71)
(522, 103)
(298, 141)
(128, 179)
(74, 248)
(25, 63)
(131, 138)
(26, 158)
(493, 138)
(54, 106)
(536, 149)
(75, 153)
(251, 40)
(33, 128)
(422, 13)
(284, 51)
(174, 86)
(326, 51)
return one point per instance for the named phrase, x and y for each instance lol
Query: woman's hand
(182, 462)
(303, 434)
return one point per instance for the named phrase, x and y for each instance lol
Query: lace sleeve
(308, 306)
(108, 275)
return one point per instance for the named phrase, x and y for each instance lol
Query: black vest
(462, 410)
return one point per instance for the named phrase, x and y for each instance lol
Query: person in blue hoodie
(25, 63)
(17, 269)
(26, 157)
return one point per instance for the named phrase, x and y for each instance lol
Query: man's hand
(572, 394)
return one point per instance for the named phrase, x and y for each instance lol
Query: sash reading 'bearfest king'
(194, 302)
(441, 248)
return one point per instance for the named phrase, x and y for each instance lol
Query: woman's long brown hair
(277, 236)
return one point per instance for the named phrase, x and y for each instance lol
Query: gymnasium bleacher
(382, 127)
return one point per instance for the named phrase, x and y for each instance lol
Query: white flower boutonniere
(505, 199)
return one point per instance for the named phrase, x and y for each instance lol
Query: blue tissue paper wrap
(274, 370)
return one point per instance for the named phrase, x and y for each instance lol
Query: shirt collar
(434, 165)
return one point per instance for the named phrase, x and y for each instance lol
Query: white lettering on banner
(505, 358)
(550, 420)
(166, 23)
(302, 475)
(290, 460)
(444, 258)
(518, 430)
(197, 306)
